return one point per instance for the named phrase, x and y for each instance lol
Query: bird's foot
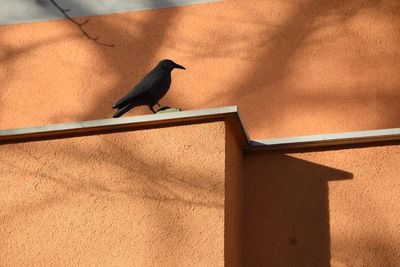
(162, 108)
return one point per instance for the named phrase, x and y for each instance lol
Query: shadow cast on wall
(287, 210)
(129, 34)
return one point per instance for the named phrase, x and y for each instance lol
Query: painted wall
(146, 198)
(293, 67)
(328, 208)
(157, 197)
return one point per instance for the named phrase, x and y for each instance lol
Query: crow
(149, 90)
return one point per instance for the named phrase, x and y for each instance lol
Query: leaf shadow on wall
(287, 210)
(135, 44)
(290, 68)
(138, 38)
(54, 178)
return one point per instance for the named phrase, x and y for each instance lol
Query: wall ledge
(104, 126)
(170, 119)
(377, 137)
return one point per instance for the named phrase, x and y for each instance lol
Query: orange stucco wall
(188, 196)
(293, 67)
(328, 208)
(147, 198)
(234, 197)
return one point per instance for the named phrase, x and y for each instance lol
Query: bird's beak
(179, 66)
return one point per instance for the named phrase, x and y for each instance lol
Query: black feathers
(149, 90)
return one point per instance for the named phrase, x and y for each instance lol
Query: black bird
(149, 90)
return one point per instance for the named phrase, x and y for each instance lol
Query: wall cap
(170, 119)
(153, 121)
(327, 140)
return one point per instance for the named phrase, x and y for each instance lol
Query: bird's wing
(145, 86)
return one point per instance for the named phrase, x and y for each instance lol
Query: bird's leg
(151, 108)
(161, 108)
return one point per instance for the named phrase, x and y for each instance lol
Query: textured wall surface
(234, 198)
(293, 67)
(147, 198)
(331, 208)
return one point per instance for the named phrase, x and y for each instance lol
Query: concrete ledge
(327, 140)
(73, 129)
(170, 119)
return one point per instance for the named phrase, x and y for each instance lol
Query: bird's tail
(123, 110)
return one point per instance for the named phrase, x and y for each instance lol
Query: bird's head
(169, 65)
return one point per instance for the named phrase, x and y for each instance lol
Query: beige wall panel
(146, 198)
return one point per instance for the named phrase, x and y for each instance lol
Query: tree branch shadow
(79, 24)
